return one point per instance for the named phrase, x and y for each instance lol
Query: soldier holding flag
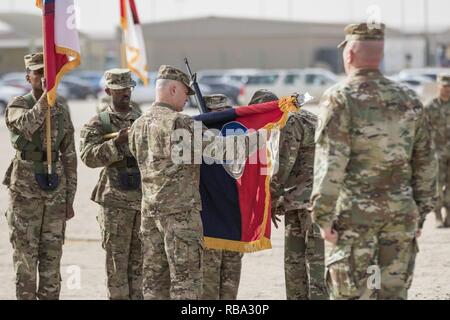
(37, 214)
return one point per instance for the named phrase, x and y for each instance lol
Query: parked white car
(429, 90)
(430, 73)
(286, 82)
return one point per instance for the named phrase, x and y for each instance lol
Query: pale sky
(101, 16)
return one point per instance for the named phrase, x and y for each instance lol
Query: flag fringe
(286, 105)
(69, 66)
(238, 246)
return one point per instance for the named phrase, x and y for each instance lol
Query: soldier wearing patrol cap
(374, 175)
(118, 190)
(38, 211)
(438, 114)
(172, 229)
(217, 102)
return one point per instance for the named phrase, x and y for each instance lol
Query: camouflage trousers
(304, 264)
(120, 239)
(173, 255)
(37, 229)
(443, 185)
(221, 274)
(373, 261)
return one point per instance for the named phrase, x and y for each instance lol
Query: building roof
(213, 26)
(22, 26)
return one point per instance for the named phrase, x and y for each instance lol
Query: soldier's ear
(108, 92)
(350, 56)
(27, 77)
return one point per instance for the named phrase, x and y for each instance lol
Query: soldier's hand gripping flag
(133, 40)
(61, 55)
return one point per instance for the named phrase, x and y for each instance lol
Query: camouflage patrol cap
(363, 32)
(262, 96)
(172, 73)
(216, 101)
(444, 79)
(117, 79)
(34, 61)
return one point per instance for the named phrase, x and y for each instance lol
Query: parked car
(416, 83)
(7, 93)
(17, 79)
(231, 89)
(91, 77)
(430, 73)
(286, 82)
(78, 88)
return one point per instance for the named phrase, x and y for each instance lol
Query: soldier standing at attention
(438, 114)
(118, 190)
(292, 185)
(374, 175)
(38, 210)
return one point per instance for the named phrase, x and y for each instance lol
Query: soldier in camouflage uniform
(118, 190)
(37, 212)
(292, 185)
(171, 229)
(374, 175)
(438, 115)
(221, 268)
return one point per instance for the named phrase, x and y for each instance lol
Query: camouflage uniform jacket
(294, 178)
(97, 152)
(25, 121)
(438, 115)
(171, 186)
(373, 152)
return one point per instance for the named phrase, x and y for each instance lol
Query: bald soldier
(171, 229)
(438, 115)
(118, 190)
(292, 185)
(221, 268)
(39, 205)
(374, 175)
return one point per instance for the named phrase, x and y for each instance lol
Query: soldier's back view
(375, 169)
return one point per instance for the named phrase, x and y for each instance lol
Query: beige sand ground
(262, 274)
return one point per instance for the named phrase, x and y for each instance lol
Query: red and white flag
(61, 42)
(133, 40)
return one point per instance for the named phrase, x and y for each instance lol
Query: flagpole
(49, 140)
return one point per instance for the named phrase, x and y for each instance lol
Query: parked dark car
(78, 88)
(91, 77)
(232, 91)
